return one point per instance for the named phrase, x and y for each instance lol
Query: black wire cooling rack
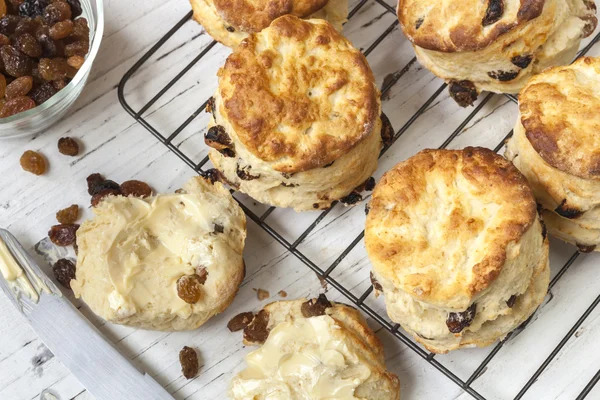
(292, 246)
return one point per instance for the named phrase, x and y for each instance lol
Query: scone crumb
(282, 293)
(188, 358)
(262, 294)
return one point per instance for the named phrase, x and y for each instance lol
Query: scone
(231, 21)
(168, 262)
(457, 247)
(494, 45)
(296, 117)
(556, 145)
(311, 350)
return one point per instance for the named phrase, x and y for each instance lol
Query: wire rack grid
(292, 246)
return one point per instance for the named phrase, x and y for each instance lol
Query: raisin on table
(33, 162)
(68, 146)
(63, 234)
(98, 197)
(136, 189)
(105, 185)
(92, 181)
(64, 272)
(188, 358)
(68, 215)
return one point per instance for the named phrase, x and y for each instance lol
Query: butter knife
(71, 337)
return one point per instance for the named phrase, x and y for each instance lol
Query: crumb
(262, 294)
(282, 293)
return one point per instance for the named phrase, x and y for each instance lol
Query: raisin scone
(457, 247)
(231, 21)
(556, 145)
(296, 117)
(168, 262)
(494, 45)
(311, 350)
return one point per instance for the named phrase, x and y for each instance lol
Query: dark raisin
(19, 87)
(68, 146)
(289, 185)
(463, 92)
(367, 209)
(568, 212)
(370, 184)
(219, 228)
(212, 175)
(287, 175)
(240, 321)
(40, 94)
(136, 189)
(33, 162)
(423, 337)
(8, 24)
(29, 45)
(79, 48)
(503, 76)
(419, 22)
(227, 153)
(63, 234)
(50, 48)
(351, 199)
(16, 105)
(457, 321)
(59, 84)
(315, 307)
(387, 131)
(33, 8)
(316, 206)
(56, 12)
(64, 272)
(375, 283)
(68, 215)
(189, 288)
(16, 63)
(53, 69)
(188, 358)
(511, 301)
(98, 197)
(76, 10)
(328, 165)
(92, 181)
(104, 185)
(230, 29)
(76, 61)
(244, 173)
(202, 273)
(258, 330)
(217, 138)
(522, 61)
(494, 12)
(586, 248)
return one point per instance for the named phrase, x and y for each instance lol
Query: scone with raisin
(556, 145)
(457, 247)
(494, 45)
(296, 117)
(229, 22)
(313, 349)
(168, 262)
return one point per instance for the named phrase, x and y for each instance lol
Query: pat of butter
(14, 275)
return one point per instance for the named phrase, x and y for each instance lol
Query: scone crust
(560, 111)
(303, 110)
(488, 205)
(462, 22)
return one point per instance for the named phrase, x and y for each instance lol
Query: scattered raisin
(315, 307)
(40, 94)
(33, 162)
(240, 321)
(217, 138)
(370, 184)
(76, 61)
(262, 294)
(522, 61)
(585, 248)
(63, 234)
(98, 197)
(92, 181)
(351, 199)
(19, 87)
(419, 22)
(511, 301)
(387, 131)
(64, 272)
(56, 12)
(16, 105)
(61, 29)
(258, 330)
(463, 92)
(68, 215)
(68, 146)
(28, 45)
(52, 69)
(457, 321)
(188, 358)
(189, 288)
(494, 12)
(136, 189)
(33, 8)
(503, 76)
(104, 185)
(16, 63)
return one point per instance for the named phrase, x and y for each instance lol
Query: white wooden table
(119, 148)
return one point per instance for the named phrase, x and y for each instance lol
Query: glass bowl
(43, 116)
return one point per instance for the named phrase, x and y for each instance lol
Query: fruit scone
(313, 350)
(556, 145)
(494, 45)
(296, 119)
(457, 247)
(168, 262)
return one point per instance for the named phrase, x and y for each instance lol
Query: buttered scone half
(296, 117)
(556, 145)
(168, 262)
(313, 350)
(457, 247)
(231, 21)
(494, 45)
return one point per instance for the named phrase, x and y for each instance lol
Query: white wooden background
(121, 149)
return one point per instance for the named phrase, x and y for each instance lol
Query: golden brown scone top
(440, 222)
(254, 15)
(298, 95)
(466, 25)
(560, 111)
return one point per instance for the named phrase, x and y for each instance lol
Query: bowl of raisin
(47, 48)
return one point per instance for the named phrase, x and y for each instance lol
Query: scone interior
(134, 252)
(296, 117)
(230, 22)
(457, 247)
(495, 45)
(556, 146)
(313, 349)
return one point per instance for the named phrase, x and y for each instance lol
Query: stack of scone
(296, 117)
(556, 145)
(313, 349)
(494, 45)
(457, 247)
(230, 22)
(168, 262)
